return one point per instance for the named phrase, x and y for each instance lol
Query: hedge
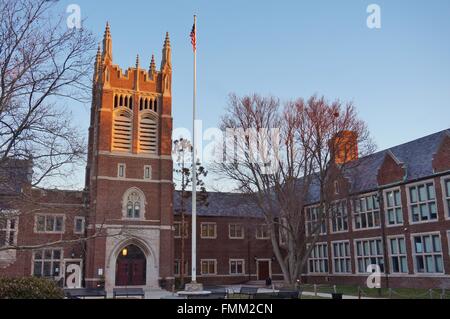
(29, 288)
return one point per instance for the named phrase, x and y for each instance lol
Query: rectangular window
(47, 263)
(236, 231)
(369, 252)
(394, 211)
(208, 230)
(315, 221)
(446, 192)
(178, 230)
(237, 267)
(428, 254)
(367, 212)
(422, 202)
(147, 172)
(262, 232)
(318, 260)
(177, 268)
(79, 225)
(342, 263)
(49, 224)
(8, 231)
(121, 171)
(208, 267)
(398, 255)
(339, 217)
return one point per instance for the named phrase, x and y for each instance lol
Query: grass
(396, 293)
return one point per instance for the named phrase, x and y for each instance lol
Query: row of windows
(209, 231)
(422, 207)
(145, 103)
(55, 224)
(427, 254)
(208, 267)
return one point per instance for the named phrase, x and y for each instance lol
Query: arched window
(155, 105)
(146, 104)
(121, 101)
(126, 101)
(133, 204)
(131, 103)
(141, 104)
(116, 101)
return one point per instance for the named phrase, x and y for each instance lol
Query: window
(148, 134)
(147, 172)
(262, 231)
(314, 216)
(446, 192)
(79, 225)
(8, 231)
(122, 130)
(236, 231)
(336, 187)
(47, 263)
(341, 257)
(397, 252)
(134, 206)
(178, 231)
(428, 254)
(394, 211)
(367, 212)
(49, 224)
(318, 260)
(208, 230)
(177, 267)
(422, 203)
(208, 266)
(369, 252)
(237, 267)
(121, 170)
(339, 217)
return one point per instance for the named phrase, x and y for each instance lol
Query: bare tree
(43, 64)
(280, 155)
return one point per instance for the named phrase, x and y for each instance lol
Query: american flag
(194, 37)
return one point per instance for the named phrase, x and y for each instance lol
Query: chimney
(344, 147)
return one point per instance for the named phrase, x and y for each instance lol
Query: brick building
(393, 206)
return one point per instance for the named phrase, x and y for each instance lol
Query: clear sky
(397, 76)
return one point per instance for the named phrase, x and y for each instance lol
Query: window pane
(447, 187)
(431, 193)
(37, 269)
(398, 199)
(422, 193)
(41, 223)
(413, 195)
(399, 215)
(59, 224)
(437, 244)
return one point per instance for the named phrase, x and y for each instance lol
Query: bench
(250, 292)
(128, 292)
(82, 293)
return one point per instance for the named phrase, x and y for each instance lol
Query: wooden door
(263, 270)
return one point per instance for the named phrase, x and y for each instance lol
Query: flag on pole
(194, 37)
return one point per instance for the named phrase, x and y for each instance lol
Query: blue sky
(398, 76)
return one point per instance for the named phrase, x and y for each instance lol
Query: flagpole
(194, 169)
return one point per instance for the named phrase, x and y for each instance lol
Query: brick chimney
(344, 147)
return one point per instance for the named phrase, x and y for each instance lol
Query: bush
(29, 288)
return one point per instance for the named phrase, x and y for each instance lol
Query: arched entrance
(131, 267)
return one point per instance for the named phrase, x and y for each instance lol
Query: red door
(131, 268)
(263, 270)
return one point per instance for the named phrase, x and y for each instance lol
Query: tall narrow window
(367, 212)
(8, 232)
(148, 134)
(397, 252)
(341, 257)
(394, 211)
(446, 191)
(428, 254)
(147, 172)
(122, 131)
(121, 171)
(422, 202)
(339, 217)
(134, 205)
(318, 260)
(369, 252)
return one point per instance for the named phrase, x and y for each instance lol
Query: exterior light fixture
(124, 252)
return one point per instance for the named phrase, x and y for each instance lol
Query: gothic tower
(129, 173)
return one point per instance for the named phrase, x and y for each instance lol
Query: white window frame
(395, 207)
(378, 256)
(124, 166)
(339, 258)
(311, 222)
(178, 223)
(324, 259)
(208, 224)
(345, 215)
(149, 168)
(423, 254)
(83, 223)
(8, 230)
(231, 261)
(257, 235)
(408, 196)
(61, 264)
(398, 255)
(236, 237)
(208, 261)
(36, 231)
(354, 213)
(444, 197)
(186, 268)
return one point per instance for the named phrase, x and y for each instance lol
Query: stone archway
(131, 267)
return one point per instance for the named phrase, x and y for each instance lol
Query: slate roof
(416, 156)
